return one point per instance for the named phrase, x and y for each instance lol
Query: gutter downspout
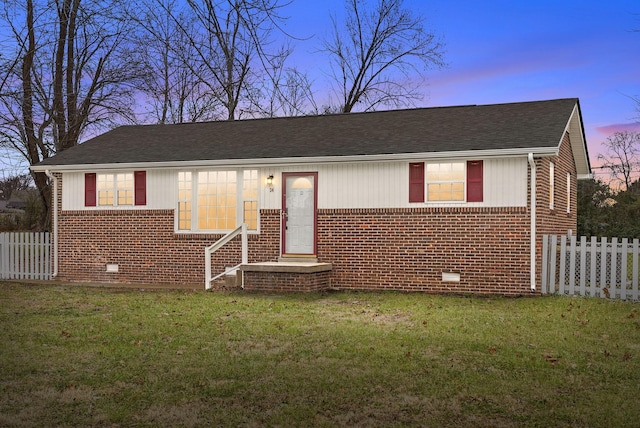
(533, 222)
(54, 206)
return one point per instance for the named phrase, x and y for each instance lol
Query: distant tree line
(603, 212)
(613, 209)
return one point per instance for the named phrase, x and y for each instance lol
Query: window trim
(568, 193)
(418, 182)
(194, 229)
(552, 185)
(464, 183)
(139, 189)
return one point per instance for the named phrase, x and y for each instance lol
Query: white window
(217, 200)
(115, 189)
(552, 188)
(184, 200)
(445, 181)
(568, 192)
(250, 198)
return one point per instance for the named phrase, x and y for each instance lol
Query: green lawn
(88, 356)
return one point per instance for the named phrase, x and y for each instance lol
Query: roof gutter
(532, 247)
(265, 162)
(54, 207)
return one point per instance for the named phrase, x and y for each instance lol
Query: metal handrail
(240, 230)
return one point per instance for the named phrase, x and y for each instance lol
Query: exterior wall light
(270, 182)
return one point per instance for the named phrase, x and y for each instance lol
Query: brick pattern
(287, 281)
(409, 249)
(555, 221)
(144, 246)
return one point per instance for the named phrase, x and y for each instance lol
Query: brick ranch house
(451, 199)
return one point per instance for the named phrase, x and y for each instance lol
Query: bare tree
(171, 90)
(65, 74)
(231, 40)
(622, 158)
(376, 54)
(289, 93)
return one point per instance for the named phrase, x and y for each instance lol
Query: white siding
(73, 191)
(348, 185)
(161, 191)
(386, 185)
(505, 182)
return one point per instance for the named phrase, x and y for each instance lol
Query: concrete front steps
(287, 274)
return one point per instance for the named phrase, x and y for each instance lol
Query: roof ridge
(342, 114)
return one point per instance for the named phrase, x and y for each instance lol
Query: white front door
(299, 217)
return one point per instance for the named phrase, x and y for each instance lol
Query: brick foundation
(287, 281)
(144, 246)
(409, 249)
(399, 249)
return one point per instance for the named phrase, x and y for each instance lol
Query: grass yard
(87, 356)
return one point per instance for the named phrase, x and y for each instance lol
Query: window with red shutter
(140, 187)
(416, 182)
(474, 181)
(90, 190)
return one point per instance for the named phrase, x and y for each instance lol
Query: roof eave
(575, 128)
(265, 162)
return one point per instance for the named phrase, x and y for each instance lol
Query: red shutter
(90, 190)
(416, 182)
(140, 187)
(474, 181)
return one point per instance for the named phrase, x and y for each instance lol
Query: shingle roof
(424, 130)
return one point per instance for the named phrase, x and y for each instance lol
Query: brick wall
(401, 249)
(556, 221)
(144, 246)
(287, 281)
(409, 249)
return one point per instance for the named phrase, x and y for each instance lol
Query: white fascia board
(578, 146)
(267, 162)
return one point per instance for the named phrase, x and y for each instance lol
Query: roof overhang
(270, 162)
(575, 128)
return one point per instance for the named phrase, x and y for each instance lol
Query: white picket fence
(590, 267)
(25, 255)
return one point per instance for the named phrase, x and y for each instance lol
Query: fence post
(3, 253)
(592, 277)
(623, 269)
(634, 287)
(545, 263)
(613, 286)
(583, 264)
(603, 266)
(563, 263)
(553, 258)
(572, 266)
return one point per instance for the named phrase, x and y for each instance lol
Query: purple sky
(510, 50)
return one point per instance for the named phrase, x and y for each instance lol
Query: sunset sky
(500, 51)
(507, 51)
